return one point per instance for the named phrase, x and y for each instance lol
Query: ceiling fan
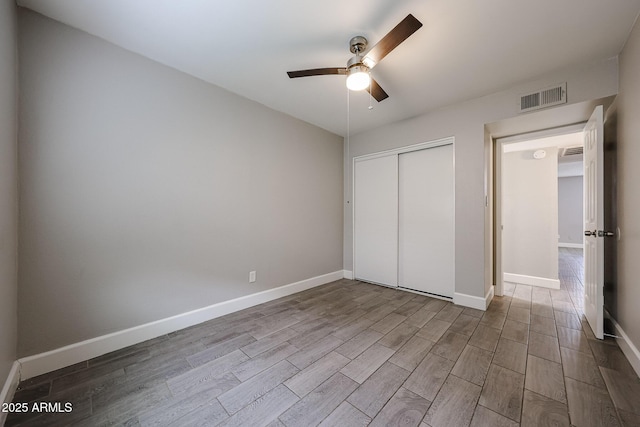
(358, 67)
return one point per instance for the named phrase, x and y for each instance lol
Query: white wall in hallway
(570, 207)
(530, 213)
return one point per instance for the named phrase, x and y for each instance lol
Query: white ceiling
(466, 48)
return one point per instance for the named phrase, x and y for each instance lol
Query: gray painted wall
(8, 188)
(530, 214)
(146, 193)
(628, 136)
(570, 206)
(466, 122)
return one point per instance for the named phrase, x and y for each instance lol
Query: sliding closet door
(376, 220)
(426, 220)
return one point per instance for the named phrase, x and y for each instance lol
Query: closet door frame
(396, 152)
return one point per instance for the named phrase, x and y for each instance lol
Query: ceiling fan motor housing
(358, 44)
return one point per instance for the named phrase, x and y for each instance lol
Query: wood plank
(208, 375)
(412, 353)
(543, 325)
(544, 346)
(545, 377)
(315, 351)
(567, 320)
(220, 349)
(581, 367)
(360, 368)
(493, 319)
(321, 402)
(359, 343)
(449, 313)
(244, 393)
(484, 417)
(542, 310)
(397, 337)
(312, 336)
(515, 331)
(473, 365)
(610, 356)
(420, 318)
(265, 409)
(404, 408)
(455, 403)
(374, 393)
(409, 308)
(351, 330)
(345, 415)
(590, 406)
(387, 323)
(538, 410)
(264, 360)
(429, 376)
(269, 342)
(503, 391)
(317, 373)
(573, 339)
(519, 314)
(450, 346)
(485, 338)
(209, 415)
(511, 355)
(465, 324)
(624, 390)
(178, 407)
(433, 330)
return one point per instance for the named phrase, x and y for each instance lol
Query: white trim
(9, 389)
(407, 149)
(571, 245)
(347, 274)
(523, 279)
(626, 345)
(499, 142)
(547, 133)
(471, 301)
(94, 347)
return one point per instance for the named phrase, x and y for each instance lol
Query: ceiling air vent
(543, 98)
(571, 151)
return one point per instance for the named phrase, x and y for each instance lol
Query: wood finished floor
(354, 354)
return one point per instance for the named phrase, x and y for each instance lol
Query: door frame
(498, 161)
(397, 151)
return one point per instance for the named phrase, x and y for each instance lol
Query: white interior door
(376, 220)
(426, 220)
(594, 222)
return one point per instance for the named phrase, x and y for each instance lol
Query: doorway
(535, 222)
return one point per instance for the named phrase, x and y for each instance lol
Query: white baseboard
(541, 282)
(347, 274)
(626, 345)
(65, 356)
(9, 389)
(571, 245)
(471, 301)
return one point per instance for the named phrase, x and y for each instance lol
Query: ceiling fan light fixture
(358, 77)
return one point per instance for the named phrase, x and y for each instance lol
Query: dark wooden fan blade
(400, 33)
(377, 92)
(316, 72)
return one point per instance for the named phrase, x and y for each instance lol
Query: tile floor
(354, 354)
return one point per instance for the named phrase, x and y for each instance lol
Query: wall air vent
(544, 98)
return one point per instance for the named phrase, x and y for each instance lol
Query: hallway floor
(355, 354)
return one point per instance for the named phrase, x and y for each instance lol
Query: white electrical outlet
(252, 276)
